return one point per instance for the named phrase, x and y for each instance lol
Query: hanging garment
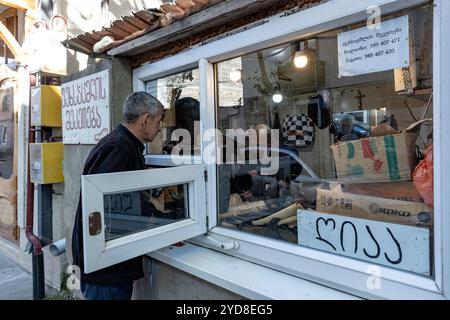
(298, 131)
(319, 112)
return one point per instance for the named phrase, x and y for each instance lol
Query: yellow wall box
(46, 106)
(46, 162)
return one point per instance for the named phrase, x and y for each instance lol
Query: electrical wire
(277, 53)
(427, 106)
(409, 109)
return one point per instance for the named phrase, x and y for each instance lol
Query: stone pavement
(15, 283)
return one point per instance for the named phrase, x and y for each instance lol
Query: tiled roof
(138, 24)
(129, 30)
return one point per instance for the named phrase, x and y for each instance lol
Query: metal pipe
(38, 255)
(58, 247)
(38, 276)
(37, 248)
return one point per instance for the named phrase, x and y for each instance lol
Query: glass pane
(180, 95)
(330, 160)
(6, 133)
(131, 212)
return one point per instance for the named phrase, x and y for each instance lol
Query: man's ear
(145, 118)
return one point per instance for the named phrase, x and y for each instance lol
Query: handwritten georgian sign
(392, 245)
(367, 50)
(85, 109)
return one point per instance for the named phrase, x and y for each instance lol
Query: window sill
(244, 278)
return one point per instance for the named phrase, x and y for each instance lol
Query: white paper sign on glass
(85, 109)
(366, 50)
(393, 245)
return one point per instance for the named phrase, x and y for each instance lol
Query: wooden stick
(287, 220)
(282, 214)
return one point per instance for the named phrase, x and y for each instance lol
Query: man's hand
(253, 173)
(246, 196)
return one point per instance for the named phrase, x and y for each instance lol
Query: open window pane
(327, 142)
(127, 214)
(130, 212)
(6, 133)
(180, 95)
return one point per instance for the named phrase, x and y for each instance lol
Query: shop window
(327, 142)
(180, 95)
(6, 103)
(4, 135)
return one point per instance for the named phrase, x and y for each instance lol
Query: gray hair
(347, 117)
(138, 103)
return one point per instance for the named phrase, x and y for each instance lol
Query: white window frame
(170, 160)
(99, 253)
(349, 275)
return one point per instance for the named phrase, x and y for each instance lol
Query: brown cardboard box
(398, 190)
(377, 159)
(332, 199)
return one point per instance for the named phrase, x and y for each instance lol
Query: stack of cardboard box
(374, 180)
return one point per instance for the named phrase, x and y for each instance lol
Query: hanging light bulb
(300, 59)
(235, 75)
(277, 97)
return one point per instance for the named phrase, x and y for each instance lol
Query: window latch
(225, 245)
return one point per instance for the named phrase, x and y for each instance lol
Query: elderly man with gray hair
(120, 150)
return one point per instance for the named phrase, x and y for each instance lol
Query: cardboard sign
(367, 50)
(393, 245)
(85, 109)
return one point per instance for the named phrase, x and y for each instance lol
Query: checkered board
(298, 130)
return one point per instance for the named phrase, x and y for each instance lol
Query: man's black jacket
(118, 151)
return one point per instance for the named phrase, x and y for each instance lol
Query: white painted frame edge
(262, 284)
(317, 266)
(99, 254)
(23, 89)
(278, 30)
(168, 160)
(209, 137)
(171, 160)
(441, 116)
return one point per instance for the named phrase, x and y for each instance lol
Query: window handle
(225, 245)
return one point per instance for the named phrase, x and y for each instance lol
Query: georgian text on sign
(393, 245)
(366, 50)
(85, 109)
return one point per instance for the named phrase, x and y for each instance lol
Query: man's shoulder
(114, 143)
(110, 154)
(115, 138)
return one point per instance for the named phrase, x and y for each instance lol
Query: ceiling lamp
(235, 75)
(277, 97)
(301, 58)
